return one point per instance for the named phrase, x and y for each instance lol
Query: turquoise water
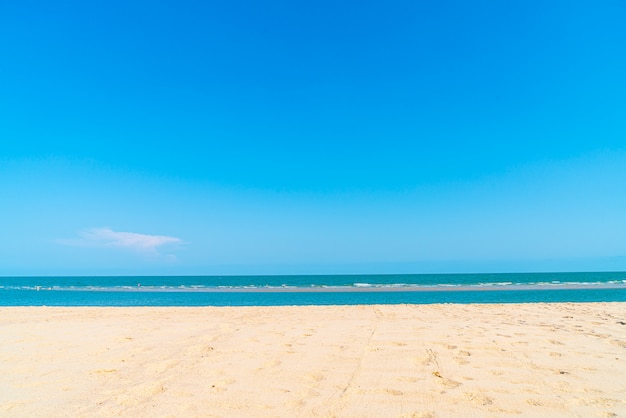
(312, 290)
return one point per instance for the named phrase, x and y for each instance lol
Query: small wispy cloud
(106, 237)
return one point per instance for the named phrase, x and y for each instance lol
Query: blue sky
(277, 137)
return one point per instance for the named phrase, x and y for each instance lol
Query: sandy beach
(346, 361)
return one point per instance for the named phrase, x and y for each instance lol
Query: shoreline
(437, 360)
(335, 289)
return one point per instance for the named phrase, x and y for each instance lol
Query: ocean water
(312, 290)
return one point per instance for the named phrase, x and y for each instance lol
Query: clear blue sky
(235, 137)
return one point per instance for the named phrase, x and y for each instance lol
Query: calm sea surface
(312, 290)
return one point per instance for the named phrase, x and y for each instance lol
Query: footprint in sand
(270, 363)
(451, 384)
(139, 393)
(394, 392)
(448, 383)
(502, 411)
(162, 366)
(124, 339)
(597, 401)
(217, 389)
(479, 398)
(618, 343)
(299, 404)
(418, 415)
(432, 357)
(548, 403)
(421, 361)
(461, 357)
(315, 377)
(200, 350)
(220, 386)
(309, 393)
(104, 371)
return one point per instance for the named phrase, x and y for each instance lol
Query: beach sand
(541, 360)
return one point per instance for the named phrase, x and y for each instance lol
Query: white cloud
(106, 237)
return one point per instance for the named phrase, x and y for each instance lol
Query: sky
(328, 137)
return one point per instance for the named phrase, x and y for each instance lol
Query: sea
(312, 289)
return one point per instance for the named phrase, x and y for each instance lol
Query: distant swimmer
(138, 284)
